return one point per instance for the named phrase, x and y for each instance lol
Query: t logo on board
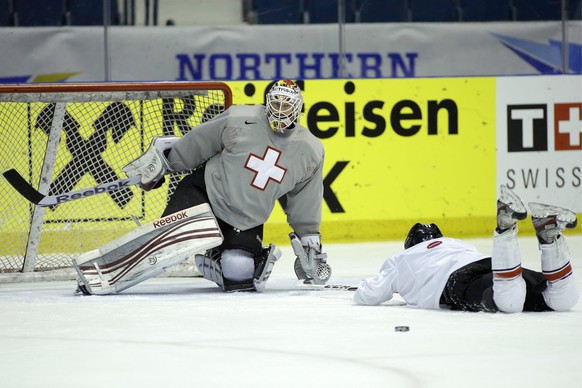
(527, 128)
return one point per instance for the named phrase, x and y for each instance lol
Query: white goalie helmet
(284, 103)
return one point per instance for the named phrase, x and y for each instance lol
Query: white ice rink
(180, 332)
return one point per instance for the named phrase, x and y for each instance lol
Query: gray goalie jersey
(249, 167)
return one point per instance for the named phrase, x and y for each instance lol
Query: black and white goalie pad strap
(264, 267)
(148, 251)
(208, 265)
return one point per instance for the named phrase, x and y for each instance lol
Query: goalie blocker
(147, 251)
(311, 261)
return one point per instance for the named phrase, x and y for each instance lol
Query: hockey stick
(335, 287)
(27, 191)
(339, 287)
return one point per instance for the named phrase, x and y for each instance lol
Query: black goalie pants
(470, 288)
(191, 191)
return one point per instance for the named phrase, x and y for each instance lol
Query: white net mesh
(66, 137)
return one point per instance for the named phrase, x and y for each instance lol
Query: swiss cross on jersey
(265, 168)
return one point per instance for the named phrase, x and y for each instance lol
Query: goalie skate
(147, 251)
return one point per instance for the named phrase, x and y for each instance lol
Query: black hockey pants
(191, 191)
(470, 288)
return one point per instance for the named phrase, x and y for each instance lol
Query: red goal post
(63, 137)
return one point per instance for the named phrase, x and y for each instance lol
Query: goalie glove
(311, 262)
(152, 165)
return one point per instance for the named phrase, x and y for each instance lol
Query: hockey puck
(401, 328)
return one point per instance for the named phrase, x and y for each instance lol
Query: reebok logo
(528, 127)
(169, 219)
(92, 191)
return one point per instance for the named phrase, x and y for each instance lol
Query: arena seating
(537, 10)
(485, 11)
(278, 12)
(322, 11)
(90, 12)
(5, 13)
(434, 10)
(381, 11)
(42, 13)
(39, 13)
(373, 11)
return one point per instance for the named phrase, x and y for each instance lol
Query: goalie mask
(421, 232)
(283, 105)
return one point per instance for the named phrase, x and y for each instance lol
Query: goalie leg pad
(148, 251)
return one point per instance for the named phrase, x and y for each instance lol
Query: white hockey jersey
(250, 166)
(419, 274)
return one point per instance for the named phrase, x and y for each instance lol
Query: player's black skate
(510, 208)
(549, 221)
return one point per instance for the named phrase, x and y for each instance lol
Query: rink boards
(400, 151)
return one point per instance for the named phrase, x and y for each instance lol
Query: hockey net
(64, 137)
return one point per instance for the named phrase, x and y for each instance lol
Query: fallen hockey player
(243, 160)
(439, 272)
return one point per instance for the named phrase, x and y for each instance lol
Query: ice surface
(180, 332)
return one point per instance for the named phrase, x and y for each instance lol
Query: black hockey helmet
(421, 232)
